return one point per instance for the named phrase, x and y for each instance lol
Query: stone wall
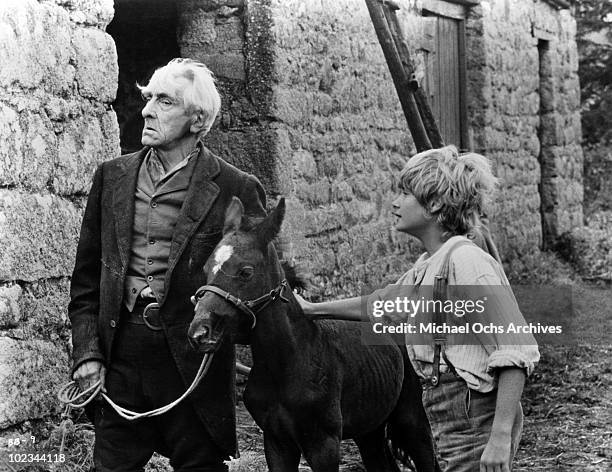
(308, 106)
(561, 156)
(527, 108)
(57, 80)
(340, 139)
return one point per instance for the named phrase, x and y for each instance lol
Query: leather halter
(250, 307)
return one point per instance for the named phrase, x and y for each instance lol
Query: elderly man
(152, 220)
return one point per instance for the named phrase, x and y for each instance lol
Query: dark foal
(312, 383)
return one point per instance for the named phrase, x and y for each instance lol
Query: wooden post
(429, 121)
(400, 79)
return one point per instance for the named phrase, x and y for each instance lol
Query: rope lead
(72, 397)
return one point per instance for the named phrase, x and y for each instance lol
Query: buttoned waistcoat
(96, 293)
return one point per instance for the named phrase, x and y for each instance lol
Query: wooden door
(445, 80)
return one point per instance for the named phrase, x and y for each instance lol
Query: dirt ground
(567, 404)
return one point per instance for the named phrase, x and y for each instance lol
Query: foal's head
(244, 264)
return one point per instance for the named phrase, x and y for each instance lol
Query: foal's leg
(375, 453)
(322, 451)
(282, 455)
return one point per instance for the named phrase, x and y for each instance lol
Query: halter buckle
(249, 307)
(282, 288)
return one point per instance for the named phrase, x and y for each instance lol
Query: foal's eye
(246, 272)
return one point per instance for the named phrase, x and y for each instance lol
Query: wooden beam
(464, 119)
(450, 10)
(400, 79)
(429, 121)
(467, 3)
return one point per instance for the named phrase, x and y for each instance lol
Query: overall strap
(440, 294)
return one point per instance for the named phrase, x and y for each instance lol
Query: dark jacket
(96, 293)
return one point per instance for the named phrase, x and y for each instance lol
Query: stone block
(85, 143)
(36, 311)
(35, 46)
(59, 110)
(198, 30)
(10, 313)
(59, 147)
(27, 148)
(291, 106)
(97, 13)
(323, 104)
(251, 149)
(227, 66)
(44, 310)
(495, 140)
(97, 71)
(38, 236)
(230, 33)
(30, 374)
(341, 191)
(317, 193)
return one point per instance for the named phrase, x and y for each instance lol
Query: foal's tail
(411, 444)
(396, 448)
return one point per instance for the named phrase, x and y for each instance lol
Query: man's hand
(88, 373)
(496, 456)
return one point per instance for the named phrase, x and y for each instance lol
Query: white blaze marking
(221, 256)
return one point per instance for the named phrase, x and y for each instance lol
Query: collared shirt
(158, 200)
(476, 364)
(157, 170)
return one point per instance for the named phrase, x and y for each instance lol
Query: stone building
(308, 106)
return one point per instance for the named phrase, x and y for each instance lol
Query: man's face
(166, 119)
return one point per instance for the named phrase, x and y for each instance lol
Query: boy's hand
(394, 318)
(496, 455)
(306, 306)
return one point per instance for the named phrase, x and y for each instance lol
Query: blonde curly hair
(454, 188)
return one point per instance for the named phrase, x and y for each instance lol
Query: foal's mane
(295, 276)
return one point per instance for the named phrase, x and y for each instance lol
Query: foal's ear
(269, 228)
(233, 215)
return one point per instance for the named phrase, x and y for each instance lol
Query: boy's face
(409, 215)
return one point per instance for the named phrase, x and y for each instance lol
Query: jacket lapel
(201, 195)
(123, 203)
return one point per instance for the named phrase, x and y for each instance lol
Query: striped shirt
(476, 364)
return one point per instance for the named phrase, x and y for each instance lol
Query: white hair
(201, 96)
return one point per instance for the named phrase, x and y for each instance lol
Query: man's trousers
(142, 376)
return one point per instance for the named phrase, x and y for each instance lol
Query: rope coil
(72, 396)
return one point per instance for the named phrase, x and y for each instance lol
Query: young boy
(471, 391)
